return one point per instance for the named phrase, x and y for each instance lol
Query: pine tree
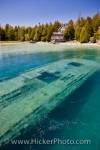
(69, 33)
(2, 34)
(21, 33)
(98, 34)
(16, 33)
(83, 30)
(32, 34)
(78, 27)
(37, 36)
(96, 22)
(56, 25)
(84, 36)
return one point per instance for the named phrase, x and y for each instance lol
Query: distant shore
(78, 44)
(10, 42)
(73, 43)
(27, 47)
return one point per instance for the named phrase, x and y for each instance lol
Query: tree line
(37, 33)
(82, 30)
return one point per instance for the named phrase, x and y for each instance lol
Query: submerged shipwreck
(28, 98)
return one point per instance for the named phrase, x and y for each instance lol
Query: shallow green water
(76, 118)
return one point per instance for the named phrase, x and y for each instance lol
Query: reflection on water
(77, 117)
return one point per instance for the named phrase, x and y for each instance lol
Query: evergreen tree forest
(20, 33)
(83, 30)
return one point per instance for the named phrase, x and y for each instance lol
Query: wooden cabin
(59, 35)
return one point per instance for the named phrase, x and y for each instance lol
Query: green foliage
(87, 28)
(96, 22)
(56, 25)
(77, 32)
(38, 33)
(69, 33)
(86, 31)
(9, 33)
(21, 33)
(83, 30)
(32, 34)
(78, 27)
(98, 34)
(37, 36)
(2, 34)
(84, 36)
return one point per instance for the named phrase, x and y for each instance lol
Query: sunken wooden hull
(28, 98)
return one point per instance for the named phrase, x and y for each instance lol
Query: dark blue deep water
(78, 117)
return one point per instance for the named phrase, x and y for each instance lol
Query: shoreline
(76, 43)
(11, 42)
(26, 47)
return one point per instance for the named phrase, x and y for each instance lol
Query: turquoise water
(76, 118)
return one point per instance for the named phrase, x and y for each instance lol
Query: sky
(31, 12)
